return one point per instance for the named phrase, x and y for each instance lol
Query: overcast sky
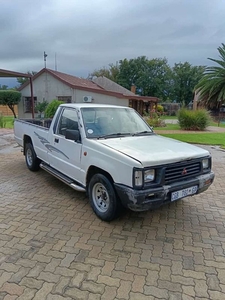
(86, 35)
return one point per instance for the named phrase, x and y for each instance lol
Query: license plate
(184, 193)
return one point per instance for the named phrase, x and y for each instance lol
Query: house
(140, 103)
(49, 84)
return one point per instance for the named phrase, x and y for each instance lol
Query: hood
(153, 149)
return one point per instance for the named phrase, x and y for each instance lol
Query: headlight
(205, 163)
(138, 178)
(149, 175)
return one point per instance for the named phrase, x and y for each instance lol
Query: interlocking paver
(53, 247)
(31, 283)
(83, 295)
(12, 289)
(44, 291)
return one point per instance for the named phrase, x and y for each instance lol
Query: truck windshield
(110, 122)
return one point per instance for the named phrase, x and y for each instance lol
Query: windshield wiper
(143, 133)
(118, 134)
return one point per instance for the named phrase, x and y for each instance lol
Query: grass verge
(216, 139)
(169, 117)
(9, 122)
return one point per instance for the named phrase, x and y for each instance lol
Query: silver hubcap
(100, 197)
(29, 157)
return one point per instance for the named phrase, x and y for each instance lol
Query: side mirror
(73, 135)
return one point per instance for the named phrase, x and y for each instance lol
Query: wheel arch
(92, 170)
(26, 139)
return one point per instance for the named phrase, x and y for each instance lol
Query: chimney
(133, 89)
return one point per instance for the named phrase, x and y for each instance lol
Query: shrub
(52, 108)
(155, 121)
(193, 119)
(160, 109)
(2, 121)
(41, 106)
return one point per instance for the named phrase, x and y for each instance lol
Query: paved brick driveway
(52, 246)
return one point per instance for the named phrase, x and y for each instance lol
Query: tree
(22, 80)
(111, 73)
(155, 77)
(184, 79)
(211, 87)
(3, 87)
(151, 77)
(10, 98)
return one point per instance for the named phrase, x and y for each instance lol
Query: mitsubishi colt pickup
(114, 156)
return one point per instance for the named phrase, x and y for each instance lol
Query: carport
(7, 73)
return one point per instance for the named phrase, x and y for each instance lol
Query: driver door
(64, 155)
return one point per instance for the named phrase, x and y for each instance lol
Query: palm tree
(211, 87)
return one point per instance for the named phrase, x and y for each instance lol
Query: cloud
(86, 35)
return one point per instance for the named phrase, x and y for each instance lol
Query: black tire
(103, 198)
(32, 162)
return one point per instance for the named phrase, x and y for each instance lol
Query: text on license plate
(184, 193)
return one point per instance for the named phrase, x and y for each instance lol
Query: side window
(68, 120)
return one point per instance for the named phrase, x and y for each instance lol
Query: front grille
(180, 171)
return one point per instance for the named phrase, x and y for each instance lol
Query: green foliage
(155, 121)
(41, 106)
(184, 79)
(22, 80)
(193, 119)
(211, 87)
(3, 87)
(111, 73)
(52, 108)
(151, 77)
(155, 77)
(2, 121)
(9, 121)
(10, 98)
(160, 109)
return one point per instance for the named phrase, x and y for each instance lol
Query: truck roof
(82, 105)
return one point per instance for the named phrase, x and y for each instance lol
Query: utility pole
(46, 79)
(45, 55)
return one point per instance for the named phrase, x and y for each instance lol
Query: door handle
(56, 140)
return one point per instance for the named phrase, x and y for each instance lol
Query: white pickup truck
(111, 153)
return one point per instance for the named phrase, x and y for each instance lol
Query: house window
(28, 104)
(66, 99)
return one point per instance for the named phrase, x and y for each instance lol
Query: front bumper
(141, 200)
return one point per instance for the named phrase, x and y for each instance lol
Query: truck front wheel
(31, 158)
(103, 198)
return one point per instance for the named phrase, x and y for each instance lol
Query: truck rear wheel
(103, 198)
(33, 163)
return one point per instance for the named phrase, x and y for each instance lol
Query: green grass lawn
(8, 121)
(200, 138)
(177, 127)
(169, 117)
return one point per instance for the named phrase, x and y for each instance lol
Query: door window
(68, 120)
